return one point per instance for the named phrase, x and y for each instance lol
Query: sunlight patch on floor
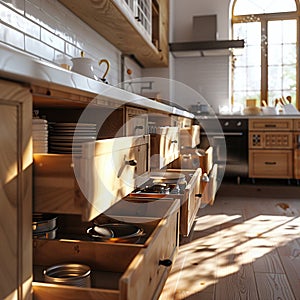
(221, 245)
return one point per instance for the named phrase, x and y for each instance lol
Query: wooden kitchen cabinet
(297, 164)
(271, 164)
(119, 270)
(209, 187)
(297, 149)
(136, 121)
(271, 148)
(297, 125)
(164, 146)
(16, 194)
(271, 124)
(117, 23)
(88, 184)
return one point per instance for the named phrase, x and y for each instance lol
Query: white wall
(209, 76)
(185, 10)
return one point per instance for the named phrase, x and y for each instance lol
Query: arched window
(268, 67)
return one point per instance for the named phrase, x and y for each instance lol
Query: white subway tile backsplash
(11, 36)
(72, 51)
(19, 22)
(34, 2)
(17, 5)
(52, 39)
(39, 49)
(48, 30)
(33, 12)
(54, 9)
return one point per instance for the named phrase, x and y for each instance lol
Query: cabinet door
(271, 124)
(15, 192)
(270, 164)
(136, 121)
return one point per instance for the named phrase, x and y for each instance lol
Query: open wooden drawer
(88, 184)
(119, 270)
(209, 187)
(164, 146)
(190, 198)
(189, 159)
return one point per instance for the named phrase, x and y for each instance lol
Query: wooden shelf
(113, 21)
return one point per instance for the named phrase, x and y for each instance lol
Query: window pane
(289, 54)
(289, 28)
(275, 78)
(275, 55)
(282, 58)
(240, 79)
(250, 32)
(246, 7)
(289, 77)
(283, 31)
(253, 78)
(253, 55)
(275, 32)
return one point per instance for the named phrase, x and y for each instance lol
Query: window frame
(263, 19)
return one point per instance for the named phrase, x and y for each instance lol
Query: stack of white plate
(40, 135)
(68, 137)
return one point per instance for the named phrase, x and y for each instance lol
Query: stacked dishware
(67, 138)
(40, 135)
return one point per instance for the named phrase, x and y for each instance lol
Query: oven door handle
(215, 134)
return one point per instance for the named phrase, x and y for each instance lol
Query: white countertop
(18, 66)
(280, 116)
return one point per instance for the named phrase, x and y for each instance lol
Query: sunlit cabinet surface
(144, 22)
(15, 199)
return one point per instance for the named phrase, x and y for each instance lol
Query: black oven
(229, 139)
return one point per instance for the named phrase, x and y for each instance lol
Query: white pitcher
(84, 66)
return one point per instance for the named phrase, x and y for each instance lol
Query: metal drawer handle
(198, 195)
(131, 162)
(165, 262)
(174, 142)
(139, 127)
(270, 125)
(270, 162)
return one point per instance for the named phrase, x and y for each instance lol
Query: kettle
(84, 66)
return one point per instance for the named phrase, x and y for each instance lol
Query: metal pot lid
(38, 218)
(115, 231)
(166, 175)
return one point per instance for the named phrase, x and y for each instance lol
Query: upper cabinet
(138, 28)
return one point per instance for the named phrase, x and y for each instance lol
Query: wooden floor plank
(243, 247)
(268, 263)
(238, 285)
(273, 286)
(290, 257)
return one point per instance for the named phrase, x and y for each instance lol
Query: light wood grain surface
(15, 191)
(245, 246)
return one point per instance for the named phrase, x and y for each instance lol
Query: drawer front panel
(270, 140)
(209, 189)
(193, 200)
(297, 163)
(136, 121)
(164, 147)
(297, 124)
(270, 164)
(271, 124)
(148, 272)
(106, 172)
